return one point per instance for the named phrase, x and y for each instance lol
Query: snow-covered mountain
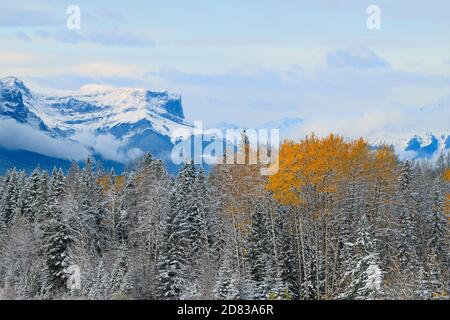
(424, 133)
(128, 121)
(98, 110)
(119, 124)
(428, 145)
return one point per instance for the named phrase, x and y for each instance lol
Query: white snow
(113, 106)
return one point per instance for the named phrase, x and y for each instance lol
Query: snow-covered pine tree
(438, 230)
(100, 289)
(186, 203)
(20, 264)
(287, 256)
(205, 261)
(198, 214)
(227, 285)
(121, 286)
(365, 277)
(150, 193)
(22, 206)
(407, 239)
(172, 264)
(258, 253)
(56, 235)
(73, 178)
(8, 198)
(92, 208)
(37, 195)
(185, 232)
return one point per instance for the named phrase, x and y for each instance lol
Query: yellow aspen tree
(447, 196)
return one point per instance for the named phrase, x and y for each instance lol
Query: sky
(245, 61)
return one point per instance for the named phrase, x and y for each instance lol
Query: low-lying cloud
(14, 135)
(378, 126)
(107, 146)
(18, 136)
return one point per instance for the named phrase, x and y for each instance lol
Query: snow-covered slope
(428, 145)
(137, 119)
(103, 110)
(13, 103)
(423, 133)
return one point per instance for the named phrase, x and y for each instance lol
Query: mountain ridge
(132, 121)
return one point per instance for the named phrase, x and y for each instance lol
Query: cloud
(105, 69)
(23, 36)
(76, 81)
(251, 97)
(95, 87)
(62, 82)
(355, 57)
(378, 126)
(77, 148)
(352, 126)
(111, 15)
(234, 79)
(246, 97)
(109, 38)
(418, 95)
(15, 17)
(107, 146)
(12, 58)
(30, 139)
(119, 39)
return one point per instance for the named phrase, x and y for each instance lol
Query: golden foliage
(323, 163)
(447, 175)
(447, 198)
(106, 183)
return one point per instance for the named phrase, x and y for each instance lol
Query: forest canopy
(340, 220)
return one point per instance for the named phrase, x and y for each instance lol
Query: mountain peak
(14, 83)
(11, 79)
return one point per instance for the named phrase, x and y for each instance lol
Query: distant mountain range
(115, 125)
(429, 145)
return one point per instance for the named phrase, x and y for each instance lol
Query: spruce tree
(258, 253)
(438, 226)
(172, 261)
(92, 211)
(227, 285)
(363, 269)
(37, 194)
(121, 286)
(9, 197)
(57, 237)
(407, 239)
